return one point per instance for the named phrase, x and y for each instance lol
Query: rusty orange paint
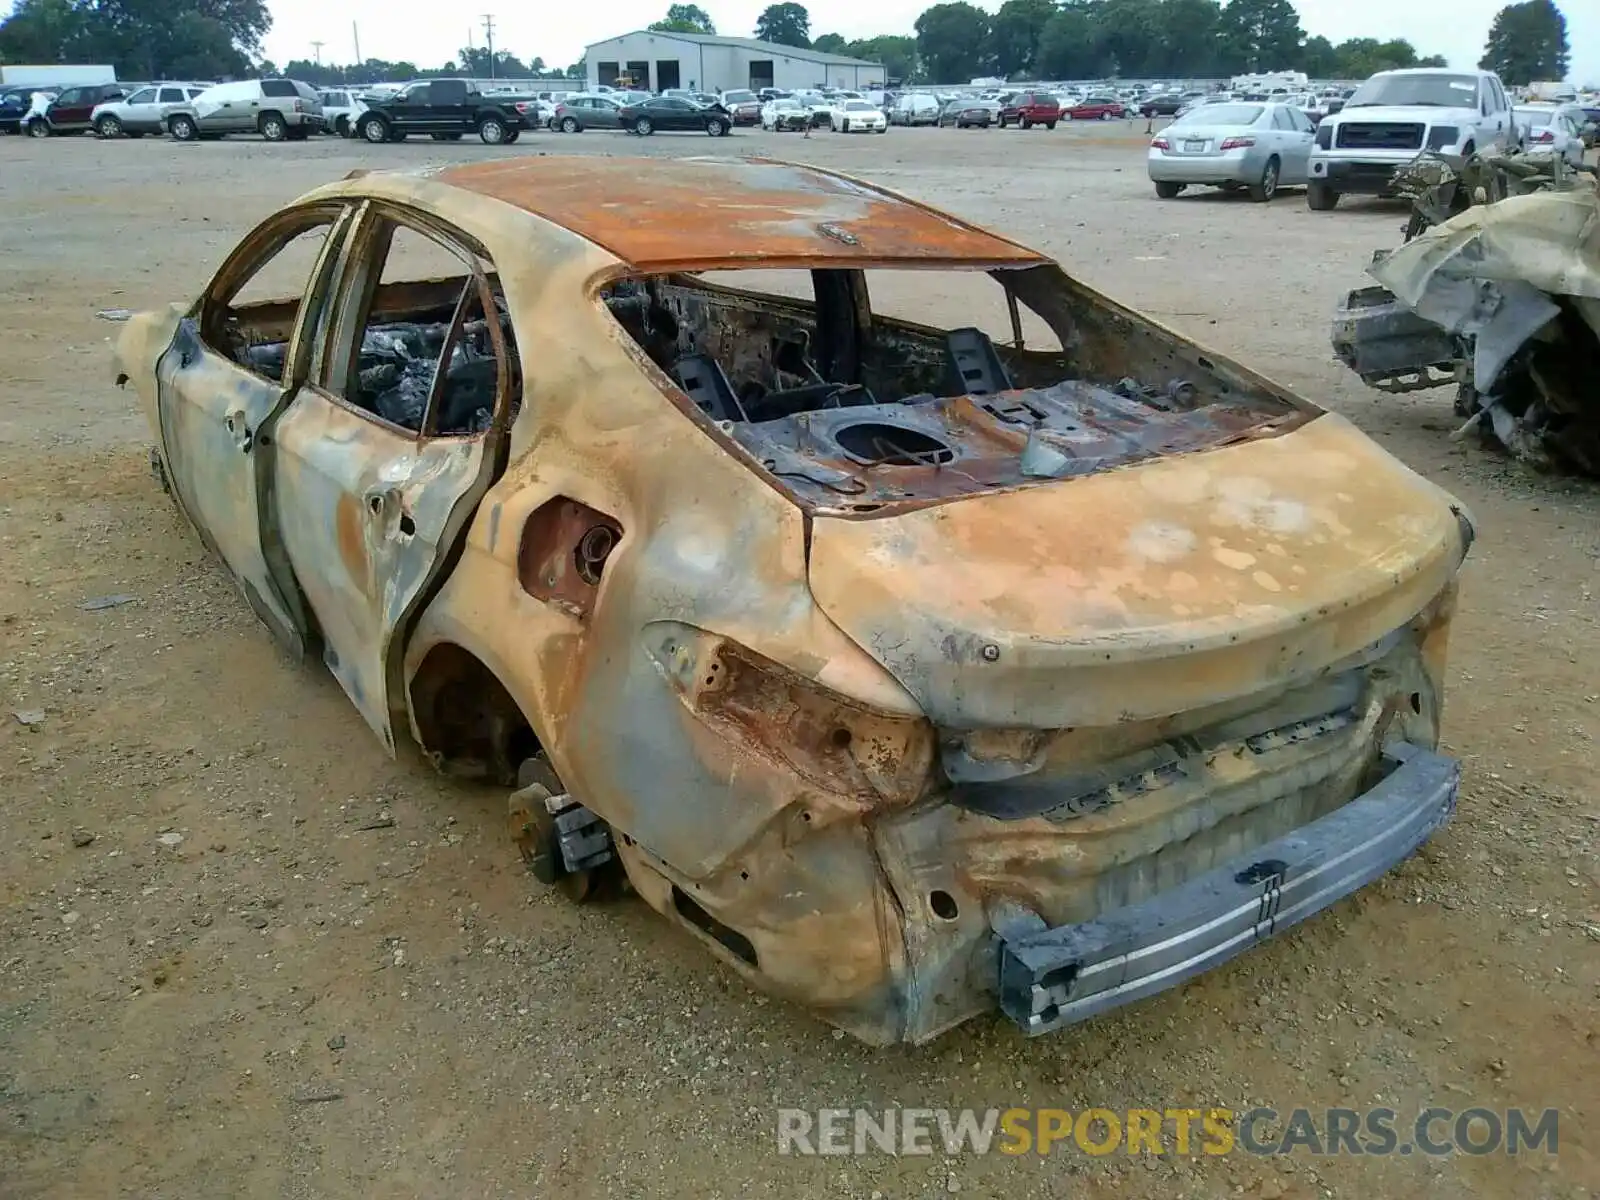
(657, 214)
(351, 522)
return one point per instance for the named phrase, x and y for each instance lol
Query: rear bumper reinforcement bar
(1051, 977)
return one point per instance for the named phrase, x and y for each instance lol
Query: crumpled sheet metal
(1440, 186)
(1548, 240)
(1521, 279)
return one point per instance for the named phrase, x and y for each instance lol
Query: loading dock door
(760, 74)
(667, 74)
(639, 73)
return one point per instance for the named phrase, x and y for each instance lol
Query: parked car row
(1022, 109)
(143, 111)
(277, 109)
(1258, 146)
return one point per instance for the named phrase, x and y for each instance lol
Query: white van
(915, 108)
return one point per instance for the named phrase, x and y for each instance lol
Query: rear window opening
(1005, 378)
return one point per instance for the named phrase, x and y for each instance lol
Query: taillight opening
(1161, 143)
(1237, 143)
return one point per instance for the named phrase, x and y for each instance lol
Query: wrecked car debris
(101, 603)
(1496, 291)
(1037, 661)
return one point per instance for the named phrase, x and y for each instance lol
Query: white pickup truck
(1395, 115)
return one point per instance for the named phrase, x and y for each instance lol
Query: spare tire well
(466, 720)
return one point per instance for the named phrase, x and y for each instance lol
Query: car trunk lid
(1145, 590)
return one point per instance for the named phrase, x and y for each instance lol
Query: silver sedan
(1556, 128)
(1255, 147)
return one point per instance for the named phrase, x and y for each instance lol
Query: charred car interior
(853, 410)
(417, 333)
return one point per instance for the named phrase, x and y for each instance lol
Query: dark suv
(14, 104)
(71, 111)
(1027, 109)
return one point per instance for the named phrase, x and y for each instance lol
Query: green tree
(897, 54)
(953, 42)
(1527, 41)
(1187, 34)
(685, 18)
(578, 70)
(475, 63)
(149, 39)
(314, 73)
(1014, 34)
(1130, 36)
(1261, 35)
(787, 24)
(829, 43)
(1319, 59)
(1433, 60)
(43, 31)
(1360, 57)
(1069, 45)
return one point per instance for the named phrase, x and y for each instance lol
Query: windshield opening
(857, 392)
(1448, 91)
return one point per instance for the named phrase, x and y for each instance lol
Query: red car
(1096, 108)
(69, 112)
(1029, 109)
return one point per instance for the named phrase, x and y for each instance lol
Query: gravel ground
(242, 953)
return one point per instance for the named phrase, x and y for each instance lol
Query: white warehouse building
(652, 60)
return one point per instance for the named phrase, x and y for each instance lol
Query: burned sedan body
(915, 670)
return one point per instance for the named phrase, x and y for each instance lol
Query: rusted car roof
(657, 213)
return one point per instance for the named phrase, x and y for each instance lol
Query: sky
(428, 33)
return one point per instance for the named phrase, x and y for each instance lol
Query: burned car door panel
(381, 462)
(220, 383)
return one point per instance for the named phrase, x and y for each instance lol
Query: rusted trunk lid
(1143, 591)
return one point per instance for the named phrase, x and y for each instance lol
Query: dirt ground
(237, 985)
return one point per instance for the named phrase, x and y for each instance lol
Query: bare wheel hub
(564, 844)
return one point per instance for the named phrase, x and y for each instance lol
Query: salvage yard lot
(244, 954)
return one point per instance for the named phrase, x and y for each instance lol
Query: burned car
(915, 670)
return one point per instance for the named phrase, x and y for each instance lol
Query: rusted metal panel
(1117, 597)
(658, 214)
(563, 552)
(211, 411)
(364, 511)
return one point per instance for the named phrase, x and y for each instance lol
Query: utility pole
(355, 34)
(316, 49)
(488, 37)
